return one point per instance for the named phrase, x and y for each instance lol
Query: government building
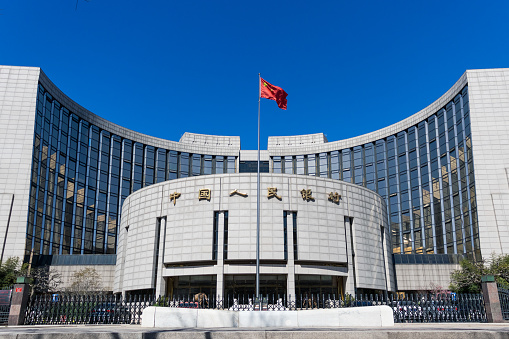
(392, 210)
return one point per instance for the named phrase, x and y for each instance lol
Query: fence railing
(86, 309)
(503, 295)
(5, 304)
(111, 309)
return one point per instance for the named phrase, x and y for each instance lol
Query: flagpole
(258, 198)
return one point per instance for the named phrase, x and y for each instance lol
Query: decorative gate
(5, 306)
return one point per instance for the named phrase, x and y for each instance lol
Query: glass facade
(425, 174)
(81, 175)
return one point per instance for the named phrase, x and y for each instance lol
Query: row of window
(425, 174)
(82, 174)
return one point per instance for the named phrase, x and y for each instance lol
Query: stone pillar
(491, 299)
(19, 301)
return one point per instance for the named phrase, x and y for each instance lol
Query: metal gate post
(19, 301)
(491, 299)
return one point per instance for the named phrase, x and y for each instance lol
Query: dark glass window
(300, 164)
(184, 165)
(285, 235)
(220, 164)
(335, 167)
(276, 165)
(288, 164)
(173, 164)
(231, 165)
(128, 150)
(311, 164)
(207, 164)
(252, 166)
(196, 164)
(225, 237)
(138, 154)
(161, 165)
(295, 247)
(346, 159)
(215, 235)
(323, 164)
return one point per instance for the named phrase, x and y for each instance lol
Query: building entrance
(327, 285)
(184, 286)
(246, 284)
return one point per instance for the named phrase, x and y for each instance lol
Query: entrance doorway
(272, 285)
(328, 285)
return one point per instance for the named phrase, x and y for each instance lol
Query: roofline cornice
(381, 133)
(136, 136)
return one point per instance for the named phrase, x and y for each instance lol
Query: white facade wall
(489, 114)
(323, 237)
(106, 272)
(422, 278)
(18, 93)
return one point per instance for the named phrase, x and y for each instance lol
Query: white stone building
(318, 236)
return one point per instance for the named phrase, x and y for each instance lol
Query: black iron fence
(86, 309)
(503, 295)
(4, 314)
(5, 304)
(110, 309)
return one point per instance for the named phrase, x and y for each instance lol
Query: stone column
(19, 301)
(491, 299)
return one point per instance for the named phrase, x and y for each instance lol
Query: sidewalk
(413, 331)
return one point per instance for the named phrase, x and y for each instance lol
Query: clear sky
(168, 67)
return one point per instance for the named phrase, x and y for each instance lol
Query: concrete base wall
(106, 272)
(196, 318)
(422, 277)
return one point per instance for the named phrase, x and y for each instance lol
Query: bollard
(491, 299)
(19, 301)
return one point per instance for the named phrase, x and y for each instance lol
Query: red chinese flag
(272, 92)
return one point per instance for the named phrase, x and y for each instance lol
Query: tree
(86, 280)
(500, 269)
(10, 269)
(437, 289)
(468, 278)
(44, 280)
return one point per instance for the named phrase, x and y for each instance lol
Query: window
(290, 216)
(196, 165)
(215, 235)
(299, 159)
(230, 165)
(219, 164)
(312, 164)
(276, 165)
(288, 164)
(225, 237)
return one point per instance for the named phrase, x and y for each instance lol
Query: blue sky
(168, 67)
